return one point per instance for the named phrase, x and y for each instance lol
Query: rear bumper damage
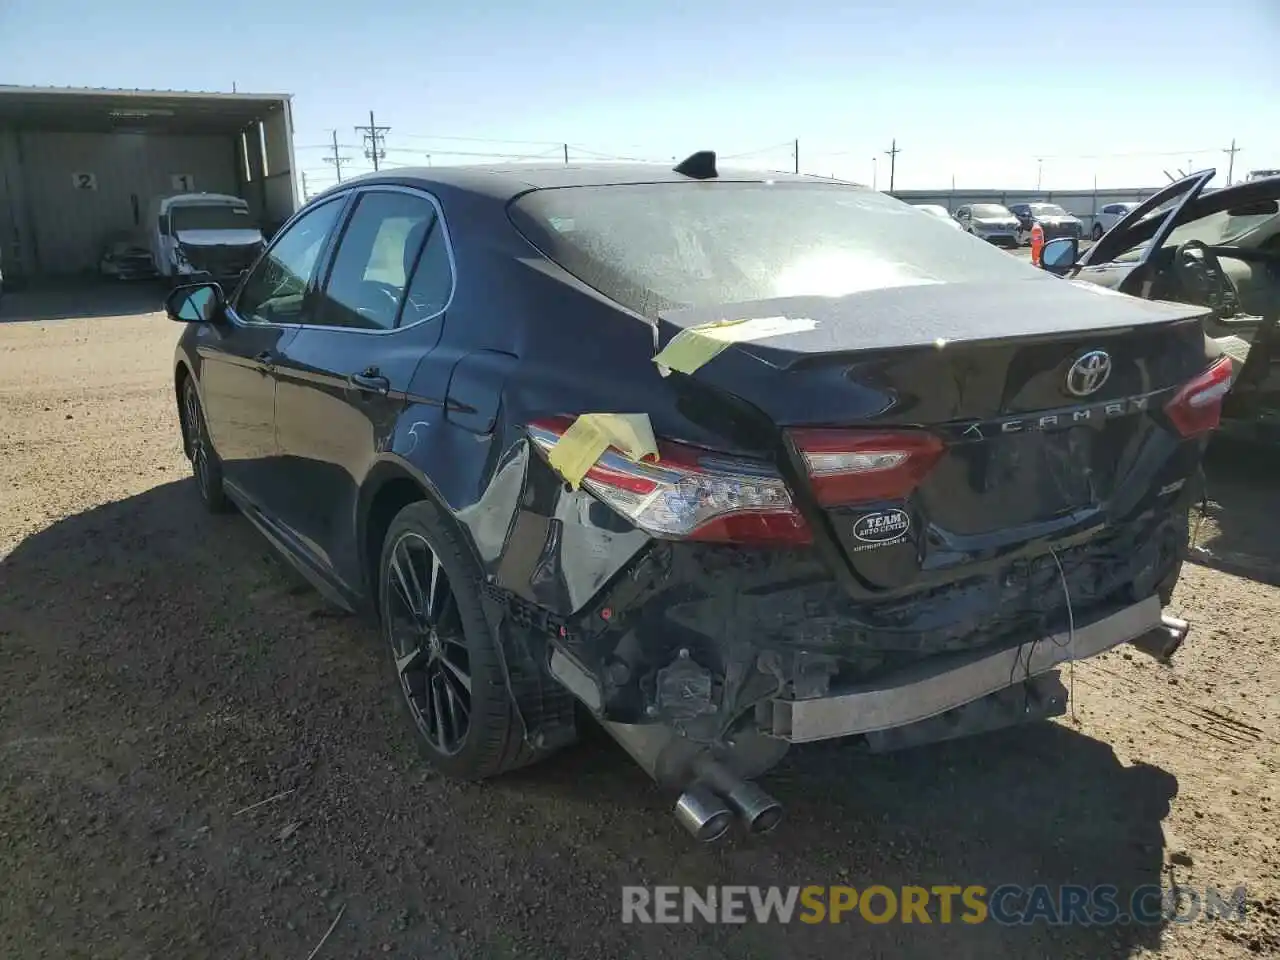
(937, 685)
(936, 700)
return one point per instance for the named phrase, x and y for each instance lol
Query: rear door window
(376, 254)
(653, 247)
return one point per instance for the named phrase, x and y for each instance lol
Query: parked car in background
(203, 235)
(939, 211)
(1109, 216)
(992, 222)
(1216, 249)
(501, 409)
(1054, 220)
(127, 256)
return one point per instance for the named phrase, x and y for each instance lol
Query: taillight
(1197, 407)
(691, 494)
(857, 466)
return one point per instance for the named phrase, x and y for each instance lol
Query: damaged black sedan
(728, 462)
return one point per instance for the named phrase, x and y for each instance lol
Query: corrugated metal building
(79, 166)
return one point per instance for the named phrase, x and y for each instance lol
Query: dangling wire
(1071, 635)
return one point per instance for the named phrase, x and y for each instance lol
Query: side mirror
(1060, 255)
(196, 303)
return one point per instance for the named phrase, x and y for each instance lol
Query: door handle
(371, 382)
(266, 358)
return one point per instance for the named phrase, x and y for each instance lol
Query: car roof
(504, 182)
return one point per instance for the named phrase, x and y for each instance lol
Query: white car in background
(1109, 216)
(939, 211)
(993, 222)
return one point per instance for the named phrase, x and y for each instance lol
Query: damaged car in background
(734, 463)
(203, 236)
(1218, 250)
(126, 256)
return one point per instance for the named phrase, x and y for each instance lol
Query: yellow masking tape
(592, 434)
(690, 349)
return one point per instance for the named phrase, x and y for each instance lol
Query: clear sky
(990, 92)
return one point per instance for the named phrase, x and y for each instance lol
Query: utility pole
(892, 154)
(1039, 172)
(336, 160)
(373, 140)
(566, 154)
(306, 194)
(875, 173)
(1231, 163)
(796, 154)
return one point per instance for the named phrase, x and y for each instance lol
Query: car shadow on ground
(81, 298)
(163, 671)
(1237, 530)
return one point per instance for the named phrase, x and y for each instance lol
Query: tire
(205, 465)
(445, 660)
(1097, 232)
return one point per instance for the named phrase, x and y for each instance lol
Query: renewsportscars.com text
(1008, 904)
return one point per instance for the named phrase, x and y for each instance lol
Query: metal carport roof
(159, 111)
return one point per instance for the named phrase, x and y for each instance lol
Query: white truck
(198, 236)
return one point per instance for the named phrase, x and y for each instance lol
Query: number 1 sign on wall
(183, 182)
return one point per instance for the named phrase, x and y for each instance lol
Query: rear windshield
(209, 216)
(652, 247)
(991, 210)
(1047, 210)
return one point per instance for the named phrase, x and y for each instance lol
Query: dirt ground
(161, 673)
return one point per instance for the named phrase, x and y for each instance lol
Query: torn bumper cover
(939, 684)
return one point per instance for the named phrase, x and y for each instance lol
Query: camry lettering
(1057, 418)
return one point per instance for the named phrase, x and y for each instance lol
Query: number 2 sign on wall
(84, 181)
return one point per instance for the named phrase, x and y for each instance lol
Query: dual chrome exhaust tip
(708, 807)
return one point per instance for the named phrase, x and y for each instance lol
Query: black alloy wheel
(428, 643)
(444, 649)
(205, 464)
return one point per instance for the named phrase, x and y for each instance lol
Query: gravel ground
(162, 672)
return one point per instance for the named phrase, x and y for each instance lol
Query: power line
(752, 153)
(596, 154)
(892, 154)
(335, 159)
(1231, 152)
(527, 143)
(374, 140)
(546, 154)
(1133, 153)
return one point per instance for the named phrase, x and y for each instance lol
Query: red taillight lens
(857, 466)
(1197, 407)
(691, 494)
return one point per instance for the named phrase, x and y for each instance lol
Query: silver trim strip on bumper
(932, 688)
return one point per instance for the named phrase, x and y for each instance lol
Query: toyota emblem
(1089, 373)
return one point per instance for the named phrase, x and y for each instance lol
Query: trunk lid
(1038, 447)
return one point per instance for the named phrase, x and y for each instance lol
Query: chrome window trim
(342, 199)
(352, 197)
